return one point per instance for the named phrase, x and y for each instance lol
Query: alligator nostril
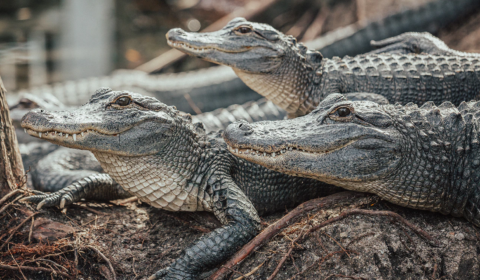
(244, 126)
(41, 111)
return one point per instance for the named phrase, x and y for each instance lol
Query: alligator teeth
(264, 154)
(55, 133)
(60, 134)
(236, 150)
(25, 130)
(74, 137)
(273, 154)
(66, 135)
(40, 134)
(82, 133)
(290, 148)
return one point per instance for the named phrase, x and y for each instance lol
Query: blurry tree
(11, 166)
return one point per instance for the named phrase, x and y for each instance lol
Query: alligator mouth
(55, 135)
(257, 153)
(198, 50)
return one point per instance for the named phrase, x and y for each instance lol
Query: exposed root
(394, 215)
(334, 200)
(104, 258)
(35, 269)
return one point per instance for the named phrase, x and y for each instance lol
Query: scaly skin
(157, 154)
(424, 158)
(297, 79)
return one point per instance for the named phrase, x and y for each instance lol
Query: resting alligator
(217, 87)
(297, 79)
(156, 153)
(52, 168)
(424, 158)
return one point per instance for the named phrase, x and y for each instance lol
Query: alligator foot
(60, 199)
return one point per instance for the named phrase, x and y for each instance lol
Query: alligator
(416, 42)
(159, 155)
(423, 158)
(53, 169)
(217, 87)
(297, 79)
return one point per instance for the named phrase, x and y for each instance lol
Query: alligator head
(263, 57)
(149, 148)
(117, 122)
(405, 154)
(327, 144)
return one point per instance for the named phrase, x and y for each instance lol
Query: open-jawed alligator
(218, 87)
(424, 158)
(297, 79)
(157, 154)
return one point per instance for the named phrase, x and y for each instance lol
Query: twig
(337, 199)
(16, 228)
(45, 260)
(338, 244)
(19, 269)
(34, 269)
(10, 204)
(280, 264)
(298, 29)
(133, 267)
(251, 272)
(105, 259)
(434, 271)
(8, 195)
(399, 218)
(31, 230)
(127, 200)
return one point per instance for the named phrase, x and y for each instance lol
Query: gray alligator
(218, 87)
(297, 79)
(424, 158)
(157, 154)
(53, 169)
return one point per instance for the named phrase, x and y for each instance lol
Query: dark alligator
(157, 154)
(424, 158)
(218, 87)
(297, 79)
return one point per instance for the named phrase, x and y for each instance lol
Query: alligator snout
(174, 33)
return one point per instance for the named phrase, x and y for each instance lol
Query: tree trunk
(11, 166)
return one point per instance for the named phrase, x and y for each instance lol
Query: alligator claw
(53, 199)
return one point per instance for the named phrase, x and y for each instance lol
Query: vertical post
(11, 166)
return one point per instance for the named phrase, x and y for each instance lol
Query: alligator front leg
(236, 212)
(97, 186)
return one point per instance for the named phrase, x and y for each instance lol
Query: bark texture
(11, 166)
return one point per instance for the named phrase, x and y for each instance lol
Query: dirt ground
(139, 240)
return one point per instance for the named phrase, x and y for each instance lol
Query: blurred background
(47, 42)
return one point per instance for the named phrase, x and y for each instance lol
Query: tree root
(336, 200)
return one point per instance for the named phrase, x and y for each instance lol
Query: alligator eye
(244, 29)
(343, 112)
(123, 101)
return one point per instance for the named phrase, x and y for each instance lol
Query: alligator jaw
(61, 136)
